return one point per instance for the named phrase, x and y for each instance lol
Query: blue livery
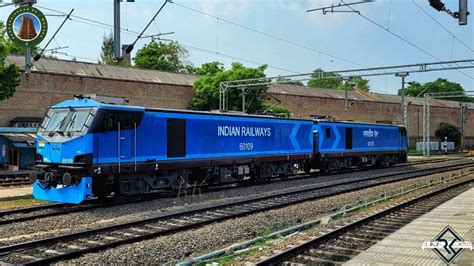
(86, 148)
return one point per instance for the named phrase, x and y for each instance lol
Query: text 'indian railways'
(233, 131)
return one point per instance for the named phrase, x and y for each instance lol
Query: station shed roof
(76, 68)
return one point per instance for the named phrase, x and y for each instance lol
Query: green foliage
(161, 56)
(359, 83)
(9, 75)
(333, 81)
(107, 53)
(284, 80)
(329, 83)
(211, 68)
(207, 88)
(278, 110)
(417, 89)
(453, 133)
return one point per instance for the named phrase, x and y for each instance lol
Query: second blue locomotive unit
(86, 148)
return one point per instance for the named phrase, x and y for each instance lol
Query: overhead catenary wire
(442, 26)
(404, 39)
(238, 58)
(131, 46)
(268, 35)
(38, 56)
(95, 23)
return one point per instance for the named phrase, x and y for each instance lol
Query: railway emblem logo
(27, 26)
(448, 245)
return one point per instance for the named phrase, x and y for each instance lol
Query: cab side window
(109, 120)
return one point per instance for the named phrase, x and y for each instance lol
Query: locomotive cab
(63, 151)
(76, 141)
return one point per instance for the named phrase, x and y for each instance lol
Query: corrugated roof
(357, 95)
(135, 74)
(28, 138)
(104, 71)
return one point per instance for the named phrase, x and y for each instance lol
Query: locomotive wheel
(307, 168)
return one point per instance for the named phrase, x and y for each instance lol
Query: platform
(404, 247)
(16, 192)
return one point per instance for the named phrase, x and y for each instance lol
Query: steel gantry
(428, 97)
(346, 75)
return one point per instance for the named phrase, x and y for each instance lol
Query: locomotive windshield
(66, 122)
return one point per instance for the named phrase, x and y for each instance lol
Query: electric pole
(403, 75)
(117, 45)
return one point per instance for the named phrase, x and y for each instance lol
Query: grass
(253, 250)
(19, 203)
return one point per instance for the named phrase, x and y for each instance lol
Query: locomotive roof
(85, 102)
(357, 122)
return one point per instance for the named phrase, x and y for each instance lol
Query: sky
(289, 39)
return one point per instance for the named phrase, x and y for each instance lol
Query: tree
(210, 68)
(417, 89)
(452, 132)
(359, 83)
(107, 54)
(161, 56)
(207, 88)
(278, 110)
(329, 83)
(9, 75)
(283, 80)
(206, 95)
(334, 81)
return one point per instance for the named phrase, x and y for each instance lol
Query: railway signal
(461, 15)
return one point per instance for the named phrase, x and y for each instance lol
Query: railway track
(345, 242)
(22, 179)
(56, 248)
(32, 213)
(14, 179)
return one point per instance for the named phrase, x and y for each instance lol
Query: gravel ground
(50, 226)
(12, 233)
(181, 245)
(286, 243)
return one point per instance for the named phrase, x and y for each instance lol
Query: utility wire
(102, 25)
(404, 39)
(268, 35)
(238, 58)
(442, 26)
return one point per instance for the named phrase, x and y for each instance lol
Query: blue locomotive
(87, 148)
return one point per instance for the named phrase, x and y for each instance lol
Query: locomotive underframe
(130, 179)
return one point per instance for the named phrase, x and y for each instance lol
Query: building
(17, 147)
(52, 81)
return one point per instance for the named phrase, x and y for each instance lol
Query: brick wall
(41, 90)
(367, 111)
